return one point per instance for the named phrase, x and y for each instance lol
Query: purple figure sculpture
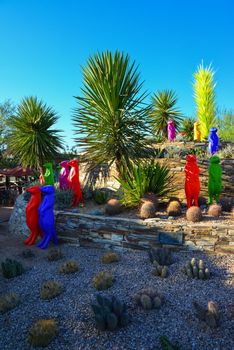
(64, 172)
(213, 139)
(46, 217)
(171, 131)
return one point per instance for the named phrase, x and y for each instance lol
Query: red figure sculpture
(192, 182)
(32, 214)
(74, 182)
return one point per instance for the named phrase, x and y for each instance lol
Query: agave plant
(31, 138)
(204, 95)
(143, 178)
(111, 120)
(163, 109)
(187, 128)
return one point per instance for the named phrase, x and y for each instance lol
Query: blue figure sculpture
(213, 141)
(46, 216)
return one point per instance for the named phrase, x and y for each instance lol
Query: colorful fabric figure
(171, 131)
(49, 174)
(215, 179)
(213, 141)
(74, 182)
(46, 216)
(192, 182)
(63, 176)
(196, 131)
(32, 215)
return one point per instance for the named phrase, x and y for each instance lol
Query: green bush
(62, 199)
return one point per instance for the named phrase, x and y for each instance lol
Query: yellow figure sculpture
(197, 132)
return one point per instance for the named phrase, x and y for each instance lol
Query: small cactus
(110, 313)
(210, 315)
(110, 257)
(8, 302)
(103, 280)
(194, 214)
(50, 290)
(215, 210)
(55, 254)
(42, 333)
(113, 207)
(159, 270)
(161, 255)
(196, 269)
(147, 210)
(174, 208)
(11, 268)
(150, 197)
(69, 267)
(148, 299)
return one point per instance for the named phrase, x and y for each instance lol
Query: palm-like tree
(164, 108)
(110, 120)
(31, 138)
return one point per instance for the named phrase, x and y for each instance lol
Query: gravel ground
(176, 318)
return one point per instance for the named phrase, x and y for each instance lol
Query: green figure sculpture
(49, 174)
(215, 179)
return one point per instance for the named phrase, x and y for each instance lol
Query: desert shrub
(62, 199)
(55, 254)
(110, 313)
(8, 302)
(27, 254)
(196, 269)
(194, 214)
(50, 289)
(227, 152)
(174, 208)
(103, 280)
(100, 197)
(69, 267)
(42, 333)
(174, 152)
(110, 257)
(215, 210)
(148, 177)
(147, 210)
(161, 255)
(11, 268)
(113, 207)
(210, 315)
(148, 299)
(160, 270)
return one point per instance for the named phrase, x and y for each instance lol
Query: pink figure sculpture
(74, 182)
(171, 131)
(63, 176)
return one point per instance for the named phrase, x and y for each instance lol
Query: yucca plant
(143, 178)
(111, 120)
(164, 109)
(204, 95)
(187, 128)
(32, 138)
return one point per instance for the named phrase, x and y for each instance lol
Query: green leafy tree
(226, 125)
(204, 95)
(187, 128)
(7, 109)
(111, 119)
(32, 138)
(164, 108)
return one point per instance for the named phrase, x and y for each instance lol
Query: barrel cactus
(103, 280)
(148, 299)
(194, 214)
(42, 333)
(113, 207)
(160, 270)
(147, 210)
(110, 313)
(174, 208)
(110, 257)
(196, 269)
(215, 210)
(11, 268)
(150, 197)
(209, 315)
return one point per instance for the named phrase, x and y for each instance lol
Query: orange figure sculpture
(74, 182)
(192, 182)
(32, 214)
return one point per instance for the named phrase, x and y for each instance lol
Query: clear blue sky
(43, 44)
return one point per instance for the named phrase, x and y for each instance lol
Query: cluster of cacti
(147, 210)
(160, 270)
(8, 302)
(194, 214)
(161, 255)
(196, 269)
(148, 299)
(103, 280)
(210, 314)
(150, 197)
(113, 207)
(110, 313)
(55, 254)
(166, 344)
(100, 197)
(50, 290)
(174, 208)
(42, 333)
(27, 254)
(215, 210)
(110, 257)
(69, 267)
(11, 268)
